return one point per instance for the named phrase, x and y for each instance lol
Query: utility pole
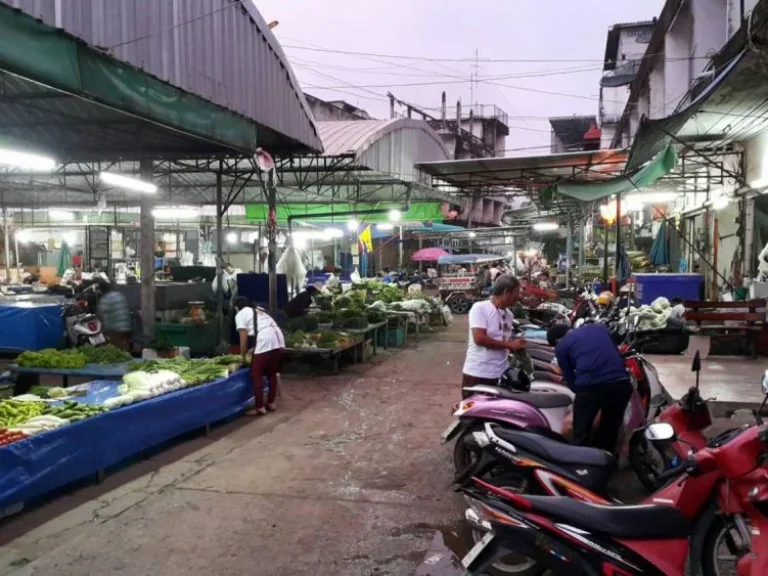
(473, 78)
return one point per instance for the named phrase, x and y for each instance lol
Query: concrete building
(334, 110)
(574, 134)
(478, 131)
(624, 50)
(682, 41)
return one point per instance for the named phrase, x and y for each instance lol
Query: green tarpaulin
(418, 211)
(647, 175)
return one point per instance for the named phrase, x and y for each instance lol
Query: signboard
(98, 245)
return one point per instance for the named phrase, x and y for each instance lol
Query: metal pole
(618, 239)
(514, 256)
(421, 240)
(605, 256)
(258, 250)
(568, 251)
(400, 249)
(582, 240)
(272, 245)
(18, 261)
(219, 260)
(147, 255)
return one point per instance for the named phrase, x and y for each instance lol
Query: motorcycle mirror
(764, 383)
(660, 431)
(696, 364)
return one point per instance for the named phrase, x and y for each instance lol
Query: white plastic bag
(290, 265)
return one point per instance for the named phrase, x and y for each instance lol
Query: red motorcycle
(715, 510)
(689, 417)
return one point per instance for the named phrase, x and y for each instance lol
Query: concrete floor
(348, 478)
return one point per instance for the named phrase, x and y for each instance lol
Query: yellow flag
(365, 239)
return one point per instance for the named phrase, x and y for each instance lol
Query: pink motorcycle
(541, 407)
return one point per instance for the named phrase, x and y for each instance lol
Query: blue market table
(39, 464)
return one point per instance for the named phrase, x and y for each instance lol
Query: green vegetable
(16, 412)
(303, 323)
(107, 354)
(50, 358)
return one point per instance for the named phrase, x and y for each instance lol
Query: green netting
(418, 211)
(54, 58)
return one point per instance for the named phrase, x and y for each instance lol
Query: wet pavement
(348, 478)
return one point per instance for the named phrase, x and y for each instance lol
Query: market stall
(48, 443)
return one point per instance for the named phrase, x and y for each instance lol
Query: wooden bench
(710, 318)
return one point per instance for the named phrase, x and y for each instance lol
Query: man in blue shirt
(593, 367)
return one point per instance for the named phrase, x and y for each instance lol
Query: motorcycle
(716, 506)
(689, 417)
(82, 326)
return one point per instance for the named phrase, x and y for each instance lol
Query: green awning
(45, 67)
(647, 175)
(417, 212)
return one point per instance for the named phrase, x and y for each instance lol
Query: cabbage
(660, 304)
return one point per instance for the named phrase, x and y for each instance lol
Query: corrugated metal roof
(222, 50)
(390, 147)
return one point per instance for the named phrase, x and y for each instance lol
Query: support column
(514, 255)
(618, 240)
(582, 240)
(400, 248)
(421, 240)
(219, 260)
(568, 251)
(147, 255)
(272, 245)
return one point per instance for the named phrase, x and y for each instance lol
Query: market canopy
(469, 258)
(660, 166)
(62, 97)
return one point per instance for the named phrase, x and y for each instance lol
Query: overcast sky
(563, 42)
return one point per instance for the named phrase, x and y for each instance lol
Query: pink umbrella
(428, 255)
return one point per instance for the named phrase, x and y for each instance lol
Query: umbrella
(65, 259)
(660, 249)
(428, 255)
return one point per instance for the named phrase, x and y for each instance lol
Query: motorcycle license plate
(448, 431)
(97, 340)
(476, 550)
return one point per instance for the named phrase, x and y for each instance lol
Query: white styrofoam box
(758, 290)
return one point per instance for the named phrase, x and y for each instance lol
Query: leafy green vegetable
(107, 354)
(50, 358)
(304, 324)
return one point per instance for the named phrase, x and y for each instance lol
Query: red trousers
(265, 364)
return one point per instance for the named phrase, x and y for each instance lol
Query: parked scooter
(715, 512)
(82, 326)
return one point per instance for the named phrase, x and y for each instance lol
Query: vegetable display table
(33, 467)
(100, 371)
(372, 332)
(331, 354)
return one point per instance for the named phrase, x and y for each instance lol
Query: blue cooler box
(648, 287)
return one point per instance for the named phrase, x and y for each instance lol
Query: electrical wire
(470, 60)
(180, 24)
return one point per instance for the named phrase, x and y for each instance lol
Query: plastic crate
(199, 338)
(392, 337)
(648, 287)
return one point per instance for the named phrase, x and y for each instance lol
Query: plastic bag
(290, 265)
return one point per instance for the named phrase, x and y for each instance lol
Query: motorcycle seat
(557, 452)
(536, 399)
(643, 522)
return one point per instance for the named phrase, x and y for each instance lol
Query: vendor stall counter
(30, 325)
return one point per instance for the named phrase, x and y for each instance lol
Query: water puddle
(448, 546)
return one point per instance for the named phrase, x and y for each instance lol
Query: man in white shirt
(490, 335)
(260, 334)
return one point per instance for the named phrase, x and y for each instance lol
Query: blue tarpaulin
(469, 258)
(39, 464)
(34, 326)
(660, 248)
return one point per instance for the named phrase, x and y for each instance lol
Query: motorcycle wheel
(511, 563)
(463, 456)
(647, 461)
(721, 549)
